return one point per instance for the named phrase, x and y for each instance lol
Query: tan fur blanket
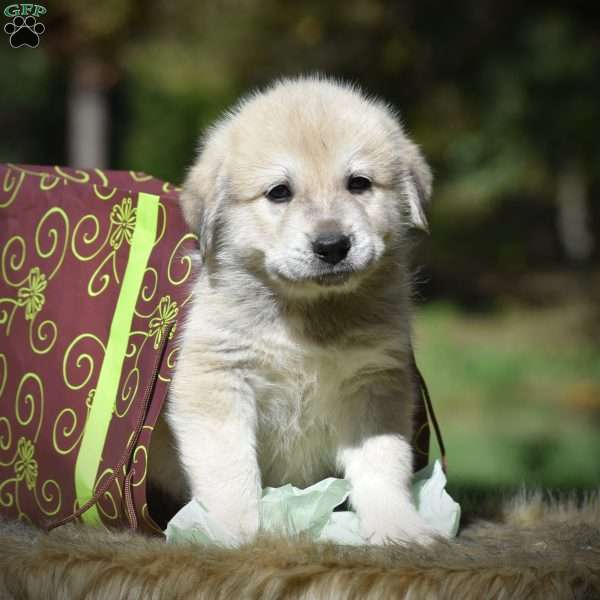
(525, 547)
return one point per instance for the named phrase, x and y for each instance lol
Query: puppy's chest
(301, 396)
(303, 390)
(299, 391)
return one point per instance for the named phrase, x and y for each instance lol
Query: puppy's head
(308, 184)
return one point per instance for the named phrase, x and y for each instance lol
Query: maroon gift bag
(95, 273)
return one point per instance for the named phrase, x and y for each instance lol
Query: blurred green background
(503, 97)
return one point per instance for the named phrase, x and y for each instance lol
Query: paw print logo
(24, 31)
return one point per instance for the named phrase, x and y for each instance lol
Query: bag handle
(424, 392)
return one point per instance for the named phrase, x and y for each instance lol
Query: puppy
(295, 360)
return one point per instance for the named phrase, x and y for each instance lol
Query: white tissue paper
(289, 510)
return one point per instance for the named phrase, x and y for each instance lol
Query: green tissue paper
(289, 510)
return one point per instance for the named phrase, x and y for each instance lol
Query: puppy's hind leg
(213, 418)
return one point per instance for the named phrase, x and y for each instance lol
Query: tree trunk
(573, 213)
(88, 116)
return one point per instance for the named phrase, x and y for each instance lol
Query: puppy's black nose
(331, 247)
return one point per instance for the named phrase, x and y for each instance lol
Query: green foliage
(157, 139)
(516, 393)
(32, 118)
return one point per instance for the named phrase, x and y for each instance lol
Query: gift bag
(95, 277)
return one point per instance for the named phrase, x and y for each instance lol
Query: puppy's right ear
(202, 195)
(418, 186)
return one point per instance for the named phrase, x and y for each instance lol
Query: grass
(517, 393)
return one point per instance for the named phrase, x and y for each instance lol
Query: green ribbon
(96, 426)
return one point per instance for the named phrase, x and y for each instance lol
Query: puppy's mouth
(334, 277)
(331, 278)
(344, 276)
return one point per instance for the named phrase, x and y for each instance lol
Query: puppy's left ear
(418, 184)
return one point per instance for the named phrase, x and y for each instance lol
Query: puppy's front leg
(212, 415)
(377, 460)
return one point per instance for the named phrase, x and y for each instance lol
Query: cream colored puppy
(295, 359)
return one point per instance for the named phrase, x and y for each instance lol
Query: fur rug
(528, 547)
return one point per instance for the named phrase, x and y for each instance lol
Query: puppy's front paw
(238, 526)
(404, 527)
(243, 527)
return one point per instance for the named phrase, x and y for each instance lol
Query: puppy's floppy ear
(418, 185)
(202, 195)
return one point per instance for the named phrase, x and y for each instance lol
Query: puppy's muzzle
(331, 247)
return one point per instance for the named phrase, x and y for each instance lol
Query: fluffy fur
(293, 368)
(527, 548)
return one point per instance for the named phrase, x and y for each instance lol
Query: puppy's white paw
(404, 527)
(239, 526)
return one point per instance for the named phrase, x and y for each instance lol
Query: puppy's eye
(279, 193)
(358, 184)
